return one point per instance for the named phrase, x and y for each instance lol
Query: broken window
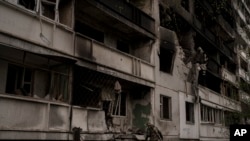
(119, 105)
(19, 80)
(165, 107)
(87, 95)
(39, 76)
(166, 57)
(65, 12)
(89, 31)
(48, 8)
(210, 81)
(189, 112)
(230, 91)
(211, 115)
(28, 4)
(218, 116)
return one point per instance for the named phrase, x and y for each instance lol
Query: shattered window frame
(22, 84)
(57, 85)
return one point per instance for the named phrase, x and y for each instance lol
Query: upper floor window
(165, 107)
(57, 10)
(166, 57)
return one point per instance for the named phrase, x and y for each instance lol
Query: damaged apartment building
(103, 69)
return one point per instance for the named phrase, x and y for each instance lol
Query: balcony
(214, 97)
(243, 74)
(228, 76)
(117, 14)
(227, 28)
(25, 25)
(88, 48)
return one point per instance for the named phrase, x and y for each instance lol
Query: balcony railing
(130, 12)
(228, 75)
(243, 74)
(112, 58)
(226, 26)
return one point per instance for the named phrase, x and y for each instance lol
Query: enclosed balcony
(117, 14)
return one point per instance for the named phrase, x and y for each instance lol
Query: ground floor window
(211, 115)
(37, 82)
(189, 112)
(19, 80)
(165, 107)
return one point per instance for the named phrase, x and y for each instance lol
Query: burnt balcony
(117, 14)
(226, 27)
(87, 48)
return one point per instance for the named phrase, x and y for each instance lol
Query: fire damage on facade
(123, 69)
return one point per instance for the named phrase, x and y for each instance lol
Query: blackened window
(19, 80)
(166, 57)
(29, 4)
(123, 46)
(89, 31)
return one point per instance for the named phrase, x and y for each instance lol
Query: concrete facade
(110, 67)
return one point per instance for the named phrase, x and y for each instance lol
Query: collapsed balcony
(120, 100)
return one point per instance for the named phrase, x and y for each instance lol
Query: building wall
(140, 66)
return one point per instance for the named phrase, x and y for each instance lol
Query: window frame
(168, 109)
(190, 115)
(49, 96)
(22, 80)
(216, 115)
(165, 46)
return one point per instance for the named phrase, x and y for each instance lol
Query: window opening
(211, 115)
(189, 112)
(48, 8)
(123, 46)
(165, 107)
(89, 31)
(166, 58)
(19, 80)
(28, 4)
